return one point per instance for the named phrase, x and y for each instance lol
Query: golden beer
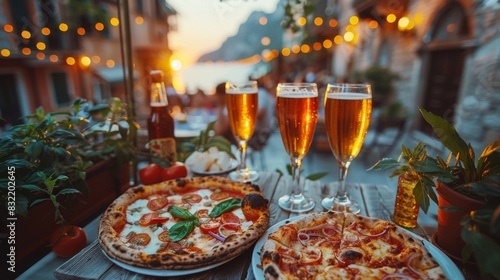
(297, 116)
(347, 118)
(242, 110)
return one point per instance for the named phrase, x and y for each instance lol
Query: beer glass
(348, 110)
(297, 112)
(242, 104)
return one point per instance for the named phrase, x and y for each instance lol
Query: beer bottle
(162, 144)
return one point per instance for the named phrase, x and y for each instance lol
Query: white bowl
(233, 165)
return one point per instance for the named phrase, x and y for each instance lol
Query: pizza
(337, 245)
(184, 223)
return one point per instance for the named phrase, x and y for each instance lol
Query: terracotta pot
(449, 227)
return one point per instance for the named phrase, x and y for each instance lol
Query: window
(60, 87)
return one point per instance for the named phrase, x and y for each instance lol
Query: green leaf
(22, 203)
(37, 201)
(384, 164)
(68, 191)
(180, 230)
(225, 206)
(421, 196)
(316, 176)
(452, 140)
(34, 149)
(479, 244)
(181, 213)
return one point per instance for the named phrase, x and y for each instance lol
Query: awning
(113, 75)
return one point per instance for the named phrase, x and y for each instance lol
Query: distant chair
(387, 134)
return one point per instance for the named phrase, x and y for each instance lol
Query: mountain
(247, 41)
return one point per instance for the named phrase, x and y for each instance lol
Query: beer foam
(241, 91)
(297, 94)
(349, 96)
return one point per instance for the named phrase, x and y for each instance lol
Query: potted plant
(476, 181)
(72, 147)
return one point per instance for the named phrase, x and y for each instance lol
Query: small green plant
(62, 145)
(427, 170)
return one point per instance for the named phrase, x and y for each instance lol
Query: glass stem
(343, 169)
(296, 187)
(243, 155)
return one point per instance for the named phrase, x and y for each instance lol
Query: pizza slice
(375, 243)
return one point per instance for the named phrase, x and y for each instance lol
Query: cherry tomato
(68, 240)
(164, 237)
(157, 203)
(191, 198)
(218, 196)
(172, 247)
(141, 239)
(151, 174)
(231, 220)
(151, 219)
(212, 226)
(173, 172)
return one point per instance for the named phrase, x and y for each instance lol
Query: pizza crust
(113, 219)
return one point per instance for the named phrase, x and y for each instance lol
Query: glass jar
(406, 208)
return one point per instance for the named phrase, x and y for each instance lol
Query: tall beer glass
(297, 112)
(348, 110)
(242, 104)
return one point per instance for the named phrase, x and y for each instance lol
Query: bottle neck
(158, 95)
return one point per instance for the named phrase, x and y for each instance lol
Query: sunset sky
(203, 25)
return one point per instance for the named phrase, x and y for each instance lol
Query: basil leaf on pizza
(178, 231)
(189, 230)
(225, 206)
(181, 213)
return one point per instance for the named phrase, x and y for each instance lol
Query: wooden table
(375, 201)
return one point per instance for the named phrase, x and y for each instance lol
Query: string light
(41, 46)
(348, 36)
(25, 34)
(8, 28)
(26, 51)
(302, 21)
(63, 27)
(338, 40)
(139, 20)
(70, 60)
(391, 18)
(99, 26)
(327, 43)
(262, 20)
(285, 51)
(403, 23)
(5, 52)
(40, 56)
(265, 41)
(110, 63)
(317, 46)
(295, 48)
(373, 24)
(354, 20)
(305, 48)
(318, 21)
(96, 59)
(332, 22)
(53, 58)
(80, 31)
(85, 61)
(45, 31)
(114, 21)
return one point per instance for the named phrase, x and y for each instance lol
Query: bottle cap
(156, 76)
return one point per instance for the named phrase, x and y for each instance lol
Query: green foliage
(62, 145)
(294, 9)
(203, 142)
(479, 178)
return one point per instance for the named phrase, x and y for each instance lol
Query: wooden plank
(90, 263)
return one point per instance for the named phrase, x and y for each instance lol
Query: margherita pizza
(184, 223)
(336, 245)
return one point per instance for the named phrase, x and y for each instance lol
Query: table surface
(375, 201)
